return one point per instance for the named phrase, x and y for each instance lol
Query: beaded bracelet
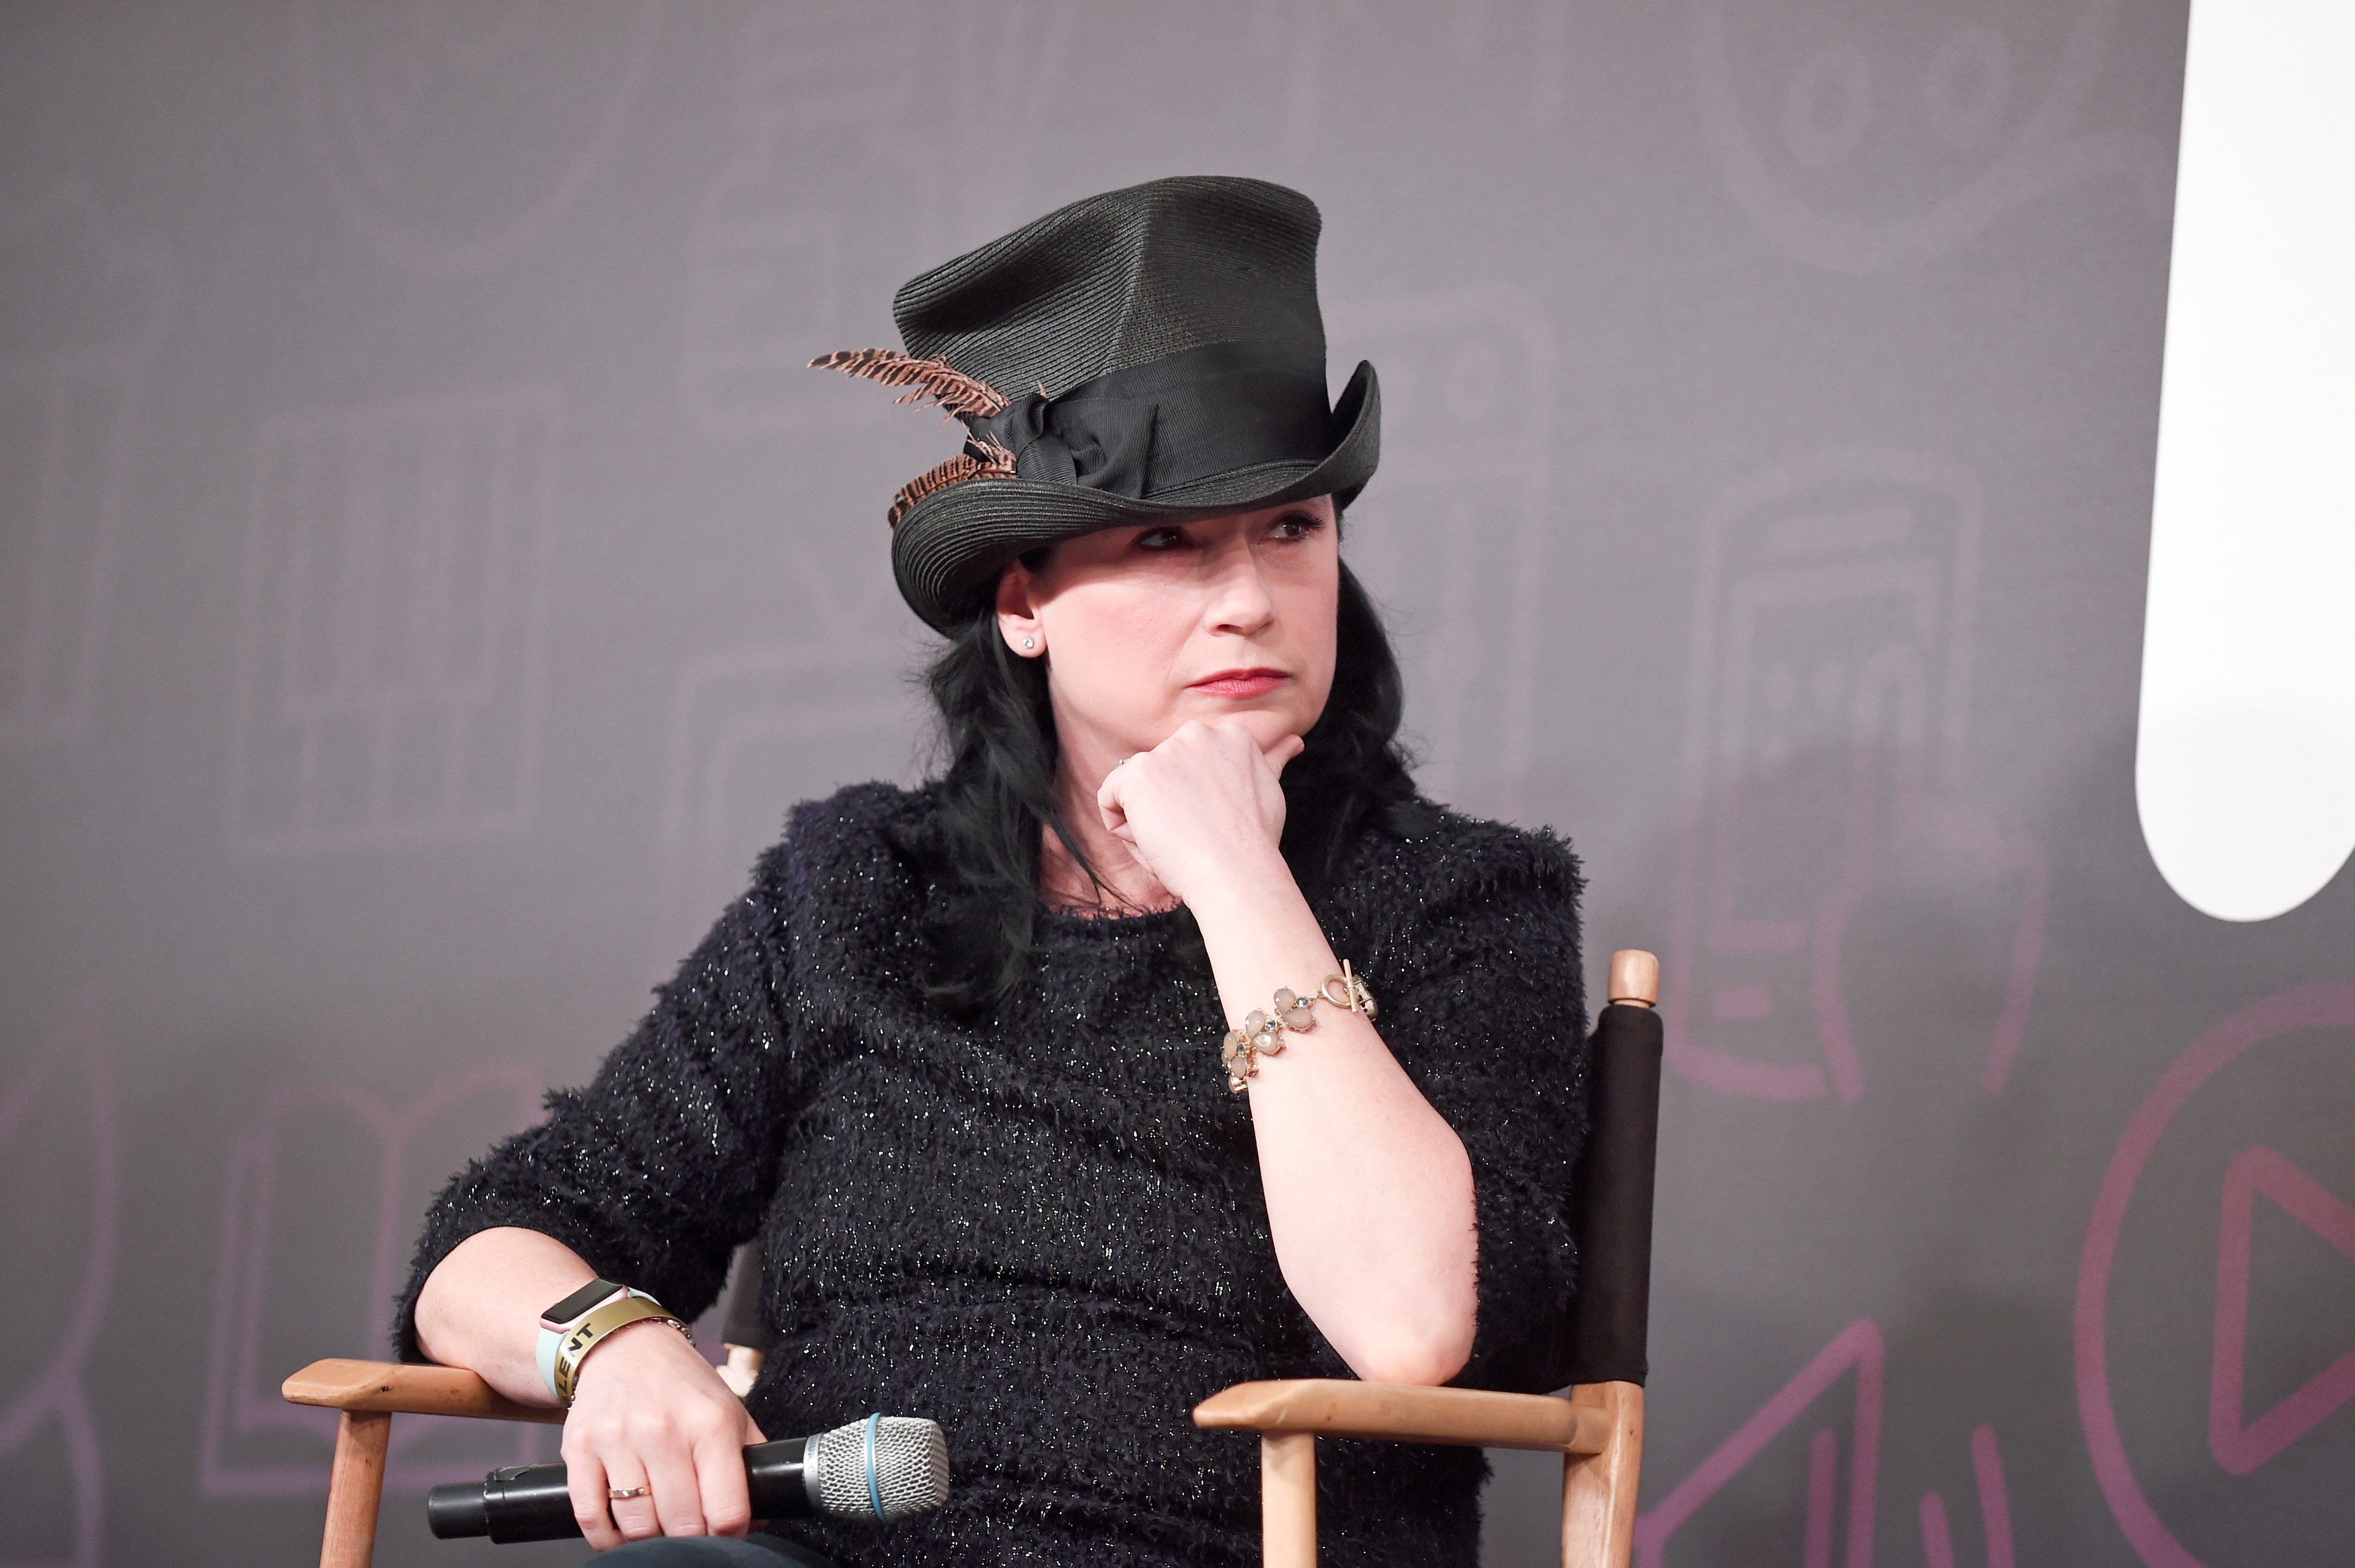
(1262, 1034)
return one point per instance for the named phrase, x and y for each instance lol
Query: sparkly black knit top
(1044, 1228)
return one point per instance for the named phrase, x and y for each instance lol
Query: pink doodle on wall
(241, 1398)
(54, 1402)
(1995, 1509)
(2241, 1446)
(2241, 1449)
(1857, 1348)
(1827, 711)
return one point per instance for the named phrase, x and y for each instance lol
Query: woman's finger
(678, 1491)
(585, 1478)
(1108, 802)
(635, 1518)
(719, 1471)
(1286, 748)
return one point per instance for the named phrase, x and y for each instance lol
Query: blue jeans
(711, 1551)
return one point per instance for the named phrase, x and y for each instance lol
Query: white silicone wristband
(545, 1355)
(552, 1339)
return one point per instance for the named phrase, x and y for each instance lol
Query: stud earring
(1029, 643)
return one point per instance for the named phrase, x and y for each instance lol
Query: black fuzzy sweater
(1045, 1229)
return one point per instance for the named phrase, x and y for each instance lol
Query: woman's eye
(1161, 538)
(1299, 525)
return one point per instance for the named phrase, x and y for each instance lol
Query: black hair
(995, 790)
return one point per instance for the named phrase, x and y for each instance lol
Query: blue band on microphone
(874, 1489)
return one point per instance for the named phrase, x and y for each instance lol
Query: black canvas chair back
(1613, 1198)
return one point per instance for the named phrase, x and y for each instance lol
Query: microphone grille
(883, 1468)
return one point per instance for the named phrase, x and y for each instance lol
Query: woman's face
(1224, 619)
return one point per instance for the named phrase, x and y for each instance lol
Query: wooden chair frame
(1598, 1430)
(369, 1394)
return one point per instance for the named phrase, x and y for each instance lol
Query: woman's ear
(1017, 622)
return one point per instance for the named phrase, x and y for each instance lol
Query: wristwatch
(581, 1321)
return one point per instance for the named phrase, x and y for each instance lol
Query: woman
(957, 1055)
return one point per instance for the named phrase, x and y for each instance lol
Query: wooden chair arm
(396, 1388)
(1470, 1418)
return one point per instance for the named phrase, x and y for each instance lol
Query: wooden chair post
(1598, 1490)
(356, 1489)
(367, 1395)
(1287, 1499)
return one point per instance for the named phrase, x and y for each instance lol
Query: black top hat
(1145, 354)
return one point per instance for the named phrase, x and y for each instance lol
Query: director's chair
(1598, 1427)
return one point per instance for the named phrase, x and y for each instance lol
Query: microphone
(883, 1468)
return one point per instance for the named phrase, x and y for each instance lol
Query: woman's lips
(1241, 683)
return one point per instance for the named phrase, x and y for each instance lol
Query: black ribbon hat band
(1156, 428)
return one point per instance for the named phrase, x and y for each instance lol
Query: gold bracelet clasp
(1261, 1033)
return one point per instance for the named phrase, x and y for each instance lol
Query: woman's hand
(1203, 811)
(649, 1411)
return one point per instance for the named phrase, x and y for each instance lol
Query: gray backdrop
(427, 575)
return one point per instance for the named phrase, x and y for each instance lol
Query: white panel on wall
(2244, 768)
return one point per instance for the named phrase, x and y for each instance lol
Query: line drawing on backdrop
(1995, 1509)
(842, 100)
(1967, 102)
(412, 114)
(1006, 71)
(1453, 538)
(2238, 1447)
(72, 391)
(51, 1403)
(834, 102)
(2241, 1446)
(1857, 1348)
(1492, 41)
(394, 605)
(249, 1432)
(768, 256)
(1290, 34)
(1823, 757)
(747, 742)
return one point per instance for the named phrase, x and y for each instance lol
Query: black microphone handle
(531, 1502)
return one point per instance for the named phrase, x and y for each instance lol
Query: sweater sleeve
(1489, 1019)
(663, 1163)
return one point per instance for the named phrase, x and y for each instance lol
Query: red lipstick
(1241, 683)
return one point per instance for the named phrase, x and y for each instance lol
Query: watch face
(578, 1302)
